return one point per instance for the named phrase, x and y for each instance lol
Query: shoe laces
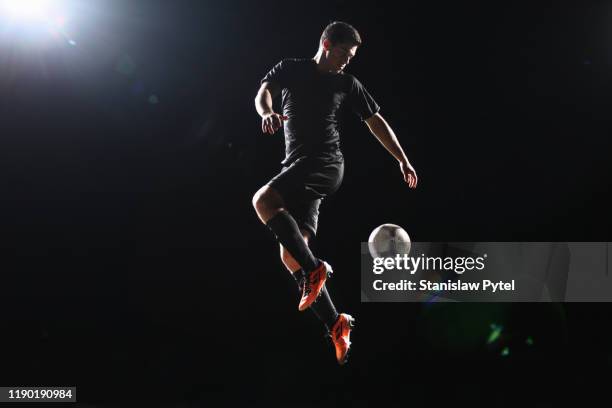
(309, 281)
(306, 286)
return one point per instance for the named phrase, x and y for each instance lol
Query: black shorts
(304, 183)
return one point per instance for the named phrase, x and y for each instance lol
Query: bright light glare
(34, 22)
(32, 17)
(39, 10)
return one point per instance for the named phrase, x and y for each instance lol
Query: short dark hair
(339, 32)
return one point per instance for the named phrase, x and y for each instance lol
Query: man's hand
(410, 175)
(270, 122)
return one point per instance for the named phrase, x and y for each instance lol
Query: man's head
(339, 43)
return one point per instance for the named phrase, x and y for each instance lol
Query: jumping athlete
(313, 92)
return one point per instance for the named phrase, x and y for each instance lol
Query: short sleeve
(278, 74)
(361, 101)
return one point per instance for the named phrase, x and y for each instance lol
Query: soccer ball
(388, 240)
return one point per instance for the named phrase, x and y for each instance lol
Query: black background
(134, 266)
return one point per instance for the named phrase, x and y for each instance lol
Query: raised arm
(270, 121)
(383, 132)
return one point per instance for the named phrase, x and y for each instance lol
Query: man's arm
(383, 132)
(270, 121)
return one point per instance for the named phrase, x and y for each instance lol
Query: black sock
(323, 308)
(288, 233)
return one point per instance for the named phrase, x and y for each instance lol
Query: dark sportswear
(312, 100)
(287, 232)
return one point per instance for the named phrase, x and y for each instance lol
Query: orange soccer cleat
(340, 334)
(313, 284)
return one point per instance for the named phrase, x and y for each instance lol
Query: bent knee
(266, 198)
(259, 198)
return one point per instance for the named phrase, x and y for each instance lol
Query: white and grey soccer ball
(388, 240)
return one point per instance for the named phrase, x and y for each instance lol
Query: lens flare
(28, 10)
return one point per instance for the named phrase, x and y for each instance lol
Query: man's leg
(323, 308)
(339, 326)
(270, 208)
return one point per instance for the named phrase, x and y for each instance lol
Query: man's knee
(258, 199)
(266, 198)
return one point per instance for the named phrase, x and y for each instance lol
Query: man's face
(339, 55)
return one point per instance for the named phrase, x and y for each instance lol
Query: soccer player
(313, 92)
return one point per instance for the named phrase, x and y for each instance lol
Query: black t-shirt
(312, 101)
